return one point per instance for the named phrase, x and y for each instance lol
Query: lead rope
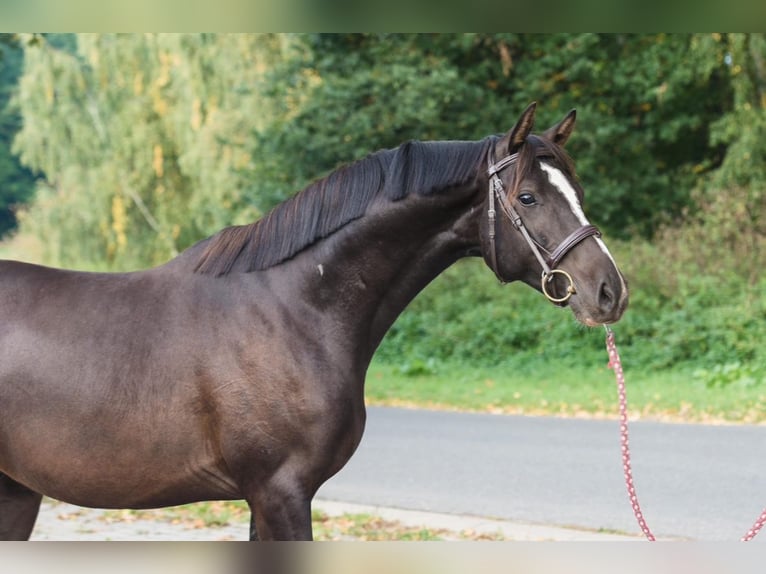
(756, 527)
(616, 366)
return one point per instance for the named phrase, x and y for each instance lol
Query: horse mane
(344, 195)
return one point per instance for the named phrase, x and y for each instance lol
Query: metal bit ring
(548, 277)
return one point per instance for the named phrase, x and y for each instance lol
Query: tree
(141, 139)
(16, 182)
(742, 131)
(645, 105)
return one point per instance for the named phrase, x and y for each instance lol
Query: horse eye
(527, 199)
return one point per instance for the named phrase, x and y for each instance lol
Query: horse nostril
(606, 296)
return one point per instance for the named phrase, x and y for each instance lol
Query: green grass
(681, 395)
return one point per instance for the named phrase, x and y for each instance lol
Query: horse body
(198, 381)
(168, 361)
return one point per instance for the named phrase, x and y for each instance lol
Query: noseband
(549, 263)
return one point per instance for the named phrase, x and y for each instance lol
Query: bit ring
(548, 277)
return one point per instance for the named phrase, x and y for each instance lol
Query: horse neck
(365, 275)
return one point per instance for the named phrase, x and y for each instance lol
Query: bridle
(549, 263)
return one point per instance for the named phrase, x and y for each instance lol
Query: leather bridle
(551, 260)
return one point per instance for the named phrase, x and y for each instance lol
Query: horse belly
(113, 475)
(104, 457)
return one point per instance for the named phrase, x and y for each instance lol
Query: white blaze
(560, 182)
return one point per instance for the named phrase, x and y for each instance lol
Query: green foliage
(743, 129)
(729, 374)
(344, 96)
(466, 317)
(698, 299)
(417, 367)
(697, 302)
(141, 139)
(645, 104)
(16, 182)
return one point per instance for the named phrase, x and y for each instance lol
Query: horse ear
(559, 134)
(518, 134)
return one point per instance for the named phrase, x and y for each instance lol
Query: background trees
(646, 105)
(162, 139)
(142, 140)
(16, 182)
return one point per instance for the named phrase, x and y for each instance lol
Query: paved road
(693, 481)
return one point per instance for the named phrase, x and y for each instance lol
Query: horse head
(536, 230)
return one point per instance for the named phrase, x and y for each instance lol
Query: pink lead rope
(616, 366)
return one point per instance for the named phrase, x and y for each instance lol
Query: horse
(236, 370)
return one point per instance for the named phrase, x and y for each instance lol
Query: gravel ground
(65, 522)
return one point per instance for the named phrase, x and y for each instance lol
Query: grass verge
(551, 389)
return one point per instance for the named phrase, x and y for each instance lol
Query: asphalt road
(693, 481)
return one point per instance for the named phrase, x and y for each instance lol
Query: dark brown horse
(237, 369)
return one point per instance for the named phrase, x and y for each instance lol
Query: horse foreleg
(253, 528)
(18, 509)
(280, 513)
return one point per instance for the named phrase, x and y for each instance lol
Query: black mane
(328, 204)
